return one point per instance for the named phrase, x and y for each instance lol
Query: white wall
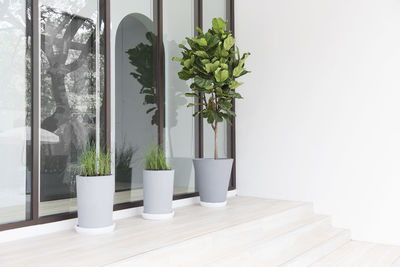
(320, 120)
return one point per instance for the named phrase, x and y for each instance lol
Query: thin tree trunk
(216, 141)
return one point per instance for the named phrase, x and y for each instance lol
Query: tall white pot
(95, 196)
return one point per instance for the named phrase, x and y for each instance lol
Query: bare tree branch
(82, 57)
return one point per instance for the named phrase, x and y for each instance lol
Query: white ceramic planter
(95, 196)
(158, 191)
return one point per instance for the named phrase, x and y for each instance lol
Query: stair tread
(134, 236)
(282, 249)
(361, 254)
(320, 250)
(223, 244)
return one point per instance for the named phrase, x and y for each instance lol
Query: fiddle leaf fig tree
(213, 64)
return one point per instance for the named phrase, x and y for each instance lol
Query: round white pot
(212, 180)
(158, 191)
(95, 195)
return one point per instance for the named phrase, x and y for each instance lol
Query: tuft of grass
(93, 164)
(124, 157)
(156, 160)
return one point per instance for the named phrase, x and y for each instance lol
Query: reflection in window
(136, 109)
(15, 111)
(70, 98)
(179, 135)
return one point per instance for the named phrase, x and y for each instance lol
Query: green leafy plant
(214, 65)
(93, 164)
(141, 57)
(124, 157)
(156, 160)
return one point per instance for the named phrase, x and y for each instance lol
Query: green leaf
(214, 40)
(236, 95)
(201, 41)
(227, 118)
(201, 82)
(150, 110)
(234, 84)
(199, 30)
(244, 72)
(245, 56)
(225, 105)
(237, 71)
(229, 42)
(193, 105)
(149, 99)
(221, 75)
(210, 119)
(224, 53)
(224, 66)
(191, 95)
(221, 52)
(187, 63)
(218, 117)
(191, 43)
(177, 59)
(218, 25)
(211, 67)
(183, 47)
(202, 54)
(197, 113)
(205, 61)
(184, 75)
(231, 113)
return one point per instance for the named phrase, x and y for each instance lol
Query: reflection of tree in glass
(68, 95)
(67, 45)
(141, 57)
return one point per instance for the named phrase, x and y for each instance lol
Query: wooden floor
(248, 232)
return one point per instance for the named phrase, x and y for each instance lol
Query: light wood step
(222, 246)
(134, 236)
(361, 254)
(320, 250)
(283, 248)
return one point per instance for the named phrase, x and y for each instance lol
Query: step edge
(318, 220)
(342, 233)
(299, 205)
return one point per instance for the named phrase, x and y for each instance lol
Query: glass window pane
(135, 125)
(179, 123)
(15, 111)
(70, 97)
(214, 9)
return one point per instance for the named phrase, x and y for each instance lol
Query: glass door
(180, 126)
(71, 96)
(136, 104)
(15, 111)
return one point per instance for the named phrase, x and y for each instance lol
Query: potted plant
(158, 186)
(213, 64)
(95, 192)
(123, 169)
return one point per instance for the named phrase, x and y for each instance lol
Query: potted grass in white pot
(158, 186)
(95, 192)
(214, 65)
